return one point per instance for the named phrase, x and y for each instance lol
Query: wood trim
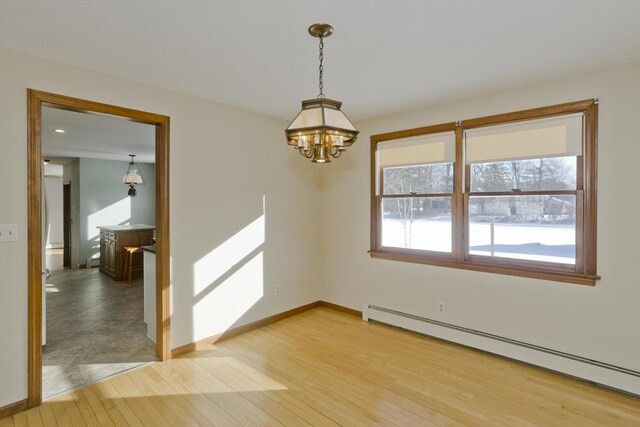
(553, 267)
(580, 235)
(416, 252)
(35, 101)
(378, 209)
(590, 165)
(416, 195)
(79, 105)
(467, 178)
(457, 205)
(523, 193)
(341, 308)
(229, 333)
(374, 200)
(163, 308)
(580, 258)
(531, 114)
(465, 229)
(34, 245)
(566, 277)
(444, 127)
(13, 408)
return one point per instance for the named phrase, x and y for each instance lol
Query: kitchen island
(113, 240)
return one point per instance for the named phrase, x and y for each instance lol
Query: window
(510, 194)
(416, 192)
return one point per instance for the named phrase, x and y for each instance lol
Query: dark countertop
(126, 227)
(150, 248)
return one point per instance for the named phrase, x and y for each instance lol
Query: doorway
(66, 225)
(36, 100)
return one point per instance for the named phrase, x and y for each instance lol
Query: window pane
(417, 223)
(420, 179)
(557, 173)
(537, 228)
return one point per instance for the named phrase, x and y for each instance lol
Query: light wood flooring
(327, 368)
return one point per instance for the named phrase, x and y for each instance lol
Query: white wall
(234, 184)
(601, 322)
(104, 200)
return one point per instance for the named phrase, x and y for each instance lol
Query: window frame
(583, 272)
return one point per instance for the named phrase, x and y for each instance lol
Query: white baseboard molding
(92, 262)
(620, 378)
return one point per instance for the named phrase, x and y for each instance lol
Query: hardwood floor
(327, 368)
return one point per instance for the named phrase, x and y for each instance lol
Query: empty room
(294, 213)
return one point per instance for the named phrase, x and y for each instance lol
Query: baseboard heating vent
(593, 370)
(93, 262)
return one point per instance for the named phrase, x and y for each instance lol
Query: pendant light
(133, 177)
(321, 130)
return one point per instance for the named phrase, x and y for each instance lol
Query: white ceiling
(384, 57)
(95, 136)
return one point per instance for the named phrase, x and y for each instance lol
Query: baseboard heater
(618, 377)
(93, 262)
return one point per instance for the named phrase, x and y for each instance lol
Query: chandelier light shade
(133, 177)
(321, 130)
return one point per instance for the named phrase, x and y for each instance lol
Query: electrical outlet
(277, 290)
(441, 307)
(8, 232)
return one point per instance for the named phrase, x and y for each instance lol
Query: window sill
(556, 276)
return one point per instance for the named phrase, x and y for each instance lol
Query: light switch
(8, 232)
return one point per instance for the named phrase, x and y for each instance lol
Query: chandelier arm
(335, 152)
(308, 155)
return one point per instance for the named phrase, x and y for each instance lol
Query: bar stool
(130, 251)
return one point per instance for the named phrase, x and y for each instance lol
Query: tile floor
(95, 329)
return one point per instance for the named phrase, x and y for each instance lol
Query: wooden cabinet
(108, 252)
(112, 241)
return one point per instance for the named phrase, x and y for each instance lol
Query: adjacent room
(295, 213)
(99, 217)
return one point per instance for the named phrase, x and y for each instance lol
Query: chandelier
(133, 177)
(321, 130)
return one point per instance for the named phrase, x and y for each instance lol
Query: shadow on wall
(228, 280)
(118, 213)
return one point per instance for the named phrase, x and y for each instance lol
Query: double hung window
(416, 185)
(511, 194)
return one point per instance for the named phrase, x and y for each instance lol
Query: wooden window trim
(585, 268)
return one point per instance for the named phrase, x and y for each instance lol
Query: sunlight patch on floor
(50, 287)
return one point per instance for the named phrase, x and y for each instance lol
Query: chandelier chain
(321, 69)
